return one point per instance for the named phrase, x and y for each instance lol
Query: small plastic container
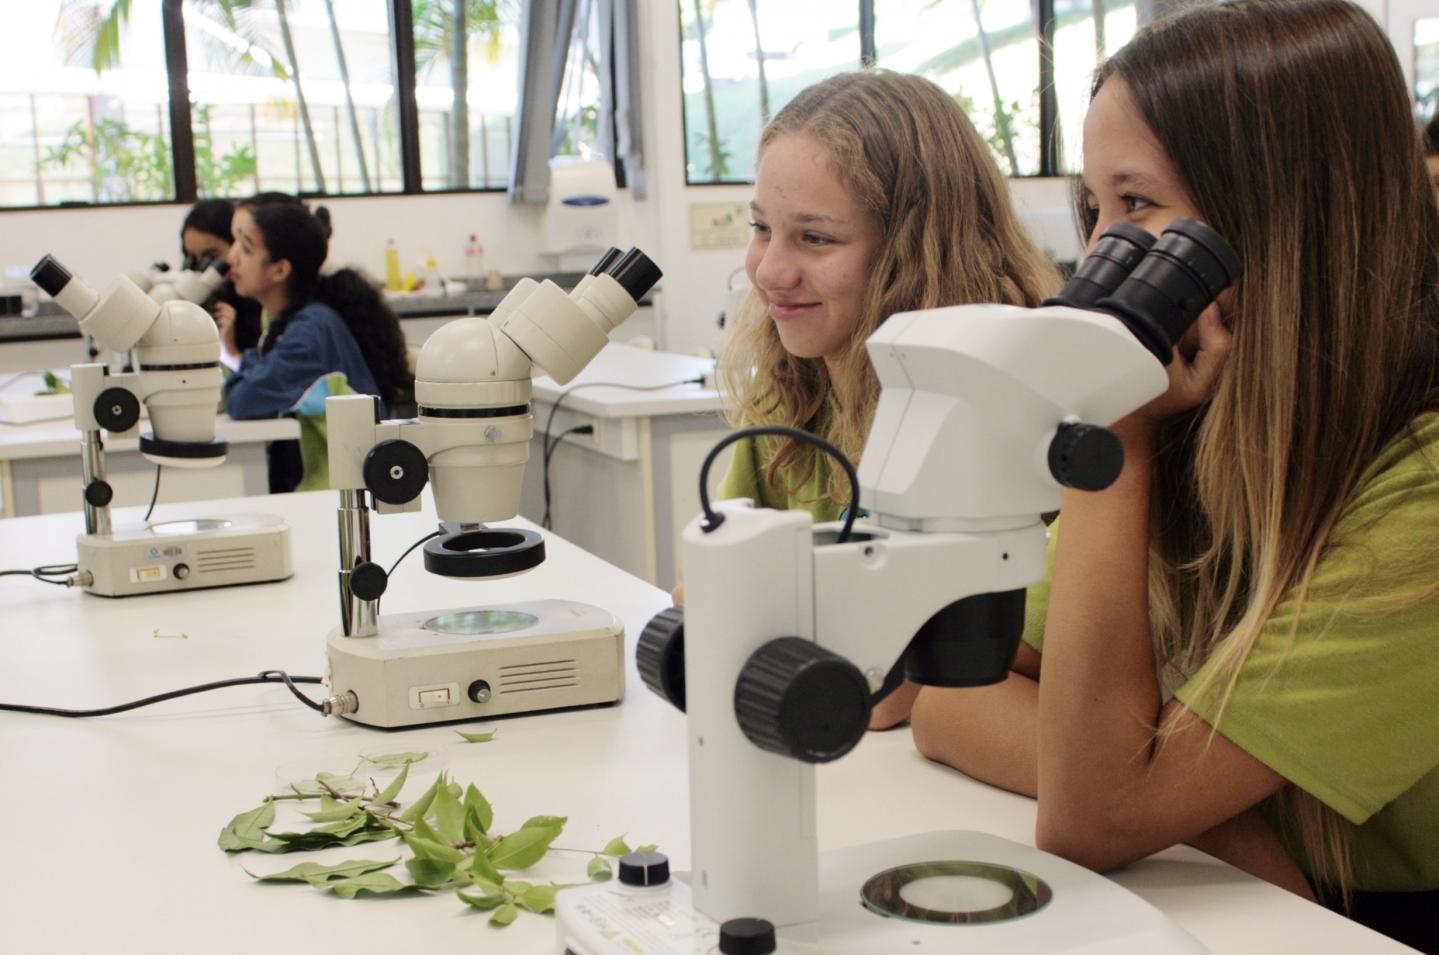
(384, 761)
(310, 777)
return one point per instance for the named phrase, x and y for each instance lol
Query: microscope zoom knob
(797, 699)
(1086, 457)
(747, 937)
(660, 655)
(396, 471)
(117, 409)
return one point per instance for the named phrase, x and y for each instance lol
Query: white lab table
(627, 491)
(40, 466)
(111, 823)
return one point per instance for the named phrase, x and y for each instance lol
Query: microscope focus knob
(644, 869)
(117, 409)
(368, 581)
(660, 655)
(99, 493)
(747, 937)
(797, 699)
(1086, 457)
(396, 471)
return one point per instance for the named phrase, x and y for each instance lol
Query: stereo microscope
(174, 351)
(470, 443)
(987, 412)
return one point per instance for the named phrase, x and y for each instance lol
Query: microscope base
(429, 667)
(1086, 913)
(186, 555)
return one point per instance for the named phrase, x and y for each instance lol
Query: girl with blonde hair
(1240, 638)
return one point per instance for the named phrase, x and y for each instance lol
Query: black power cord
(154, 495)
(391, 571)
(550, 447)
(44, 572)
(266, 676)
(550, 420)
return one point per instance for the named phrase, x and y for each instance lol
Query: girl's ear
(282, 270)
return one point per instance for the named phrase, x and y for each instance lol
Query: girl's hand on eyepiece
(1193, 372)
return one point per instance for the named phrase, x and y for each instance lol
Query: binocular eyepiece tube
(1157, 288)
(635, 271)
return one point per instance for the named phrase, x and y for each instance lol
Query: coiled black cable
(266, 676)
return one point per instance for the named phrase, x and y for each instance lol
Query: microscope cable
(545, 443)
(154, 495)
(44, 572)
(266, 676)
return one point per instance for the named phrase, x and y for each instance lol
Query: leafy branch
(448, 830)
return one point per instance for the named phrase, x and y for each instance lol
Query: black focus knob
(660, 655)
(117, 409)
(396, 471)
(644, 869)
(99, 493)
(368, 581)
(1086, 457)
(797, 699)
(746, 937)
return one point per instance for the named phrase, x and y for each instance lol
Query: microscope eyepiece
(1180, 276)
(50, 275)
(611, 256)
(1116, 254)
(220, 265)
(636, 273)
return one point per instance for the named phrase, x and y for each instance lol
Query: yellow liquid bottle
(392, 266)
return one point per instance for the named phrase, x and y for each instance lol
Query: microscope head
(473, 378)
(177, 348)
(190, 285)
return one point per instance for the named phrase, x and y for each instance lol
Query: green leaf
(380, 883)
(649, 848)
(421, 808)
(247, 830)
(483, 902)
(396, 760)
(319, 875)
(477, 737)
(449, 816)
(504, 915)
(332, 810)
(617, 847)
(539, 899)
(437, 851)
(369, 835)
(393, 790)
(430, 873)
(522, 849)
(546, 822)
(599, 869)
(345, 826)
(479, 807)
(483, 868)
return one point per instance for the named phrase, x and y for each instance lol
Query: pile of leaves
(448, 830)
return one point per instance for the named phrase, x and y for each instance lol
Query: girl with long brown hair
(1240, 638)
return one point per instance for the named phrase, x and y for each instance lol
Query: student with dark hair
(204, 237)
(320, 324)
(1429, 138)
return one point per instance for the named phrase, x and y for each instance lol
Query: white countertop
(55, 438)
(111, 823)
(629, 365)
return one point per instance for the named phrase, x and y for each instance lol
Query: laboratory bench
(112, 823)
(40, 466)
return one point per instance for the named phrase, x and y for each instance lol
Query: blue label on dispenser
(585, 201)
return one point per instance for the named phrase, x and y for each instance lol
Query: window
(744, 59)
(1426, 66)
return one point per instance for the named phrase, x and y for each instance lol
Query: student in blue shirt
(321, 324)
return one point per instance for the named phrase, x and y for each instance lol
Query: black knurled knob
(99, 493)
(1086, 457)
(117, 409)
(660, 655)
(747, 937)
(368, 581)
(644, 869)
(797, 699)
(395, 471)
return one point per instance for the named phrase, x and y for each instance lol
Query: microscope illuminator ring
(507, 412)
(216, 447)
(487, 552)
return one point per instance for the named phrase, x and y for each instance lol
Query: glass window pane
(68, 133)
(993, 72)
(578, 110)
(1426, 65)
(336, 133)
(466, 143)
(1078, 50)
(742, 60)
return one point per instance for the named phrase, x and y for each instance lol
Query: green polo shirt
(746, 478)
(1351, 714)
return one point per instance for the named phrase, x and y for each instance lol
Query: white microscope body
(470, 442)
(788, 636)
(174, 348)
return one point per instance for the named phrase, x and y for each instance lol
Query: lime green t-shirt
(746, 478)
(1351, 714)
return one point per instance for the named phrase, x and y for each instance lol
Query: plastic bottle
(474, 259)
(392, 266)
(431, 280)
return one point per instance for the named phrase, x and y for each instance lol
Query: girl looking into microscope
(1238, 638)
(321, 324)
(204, 237)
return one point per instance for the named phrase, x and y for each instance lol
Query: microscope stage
(186, 555)
(476, 662)
(1071, 909)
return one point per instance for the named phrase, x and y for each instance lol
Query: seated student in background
(204, 237)
(1430, 139)
(1238, 644)
(321, 324)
